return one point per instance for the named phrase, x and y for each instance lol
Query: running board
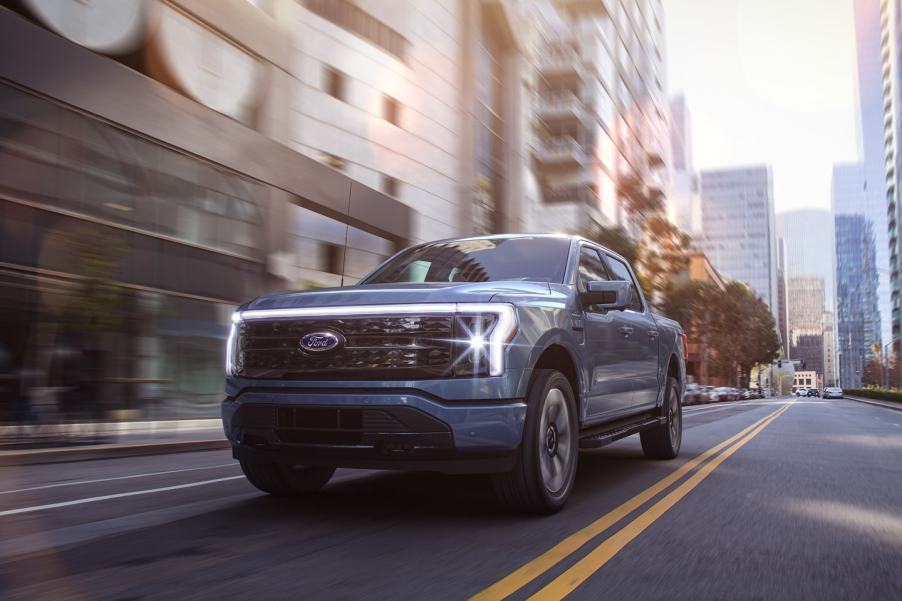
(615, 431)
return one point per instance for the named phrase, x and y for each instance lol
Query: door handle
(652, 334)
(626, 331)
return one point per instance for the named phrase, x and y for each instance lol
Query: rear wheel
(546, 464)
(278, 479)
(663, 442)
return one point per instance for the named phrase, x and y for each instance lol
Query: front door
(638, 341)
(610, 393)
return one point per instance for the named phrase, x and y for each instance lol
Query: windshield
(526, 258)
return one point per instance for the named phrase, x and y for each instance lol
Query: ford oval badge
(321, 342)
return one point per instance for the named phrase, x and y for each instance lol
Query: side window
(591, 267)
(622, 272)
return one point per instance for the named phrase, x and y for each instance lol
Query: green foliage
(738, 327)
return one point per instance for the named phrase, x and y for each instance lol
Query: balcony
(561, 109)
(655, 160)
(561, 153)
(562, 63)
(579, 194)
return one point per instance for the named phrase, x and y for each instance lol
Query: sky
(768, 81)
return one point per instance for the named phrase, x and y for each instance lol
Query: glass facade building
(738, 229)
(858, 323)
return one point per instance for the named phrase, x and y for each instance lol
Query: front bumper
(374, 429)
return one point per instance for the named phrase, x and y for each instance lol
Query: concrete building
(193, 155)
(738, 227)
(806, 379)
(601, 107)
(862, 189)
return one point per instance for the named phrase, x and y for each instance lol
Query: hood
(390, 294)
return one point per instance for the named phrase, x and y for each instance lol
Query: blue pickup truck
(498, 354)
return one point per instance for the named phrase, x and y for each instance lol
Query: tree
(743, 332)
(663, 252)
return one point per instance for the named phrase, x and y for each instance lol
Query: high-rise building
(738, 227)
(858, 326)
(862, 189)
(879, 30)
(601, 110)
(680, 134)
(806, 321)
(782, 300)
(684, 205)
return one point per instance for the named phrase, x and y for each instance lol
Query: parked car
(694, 394)
(813, 392)
(498, 354)
(745, 393)
(801, 392)
(833, 392)
(723, 393)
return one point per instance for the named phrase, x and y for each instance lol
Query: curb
(876, 403)
(106, 451)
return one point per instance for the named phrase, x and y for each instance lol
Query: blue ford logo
(320, 342)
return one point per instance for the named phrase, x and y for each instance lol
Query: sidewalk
(887, 404)
(53, 443)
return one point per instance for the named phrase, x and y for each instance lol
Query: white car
(833, 392)
(801, 392)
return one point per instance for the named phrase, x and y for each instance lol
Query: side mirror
(608, 295)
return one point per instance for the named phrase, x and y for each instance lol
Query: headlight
(481, 333)
(231, 345)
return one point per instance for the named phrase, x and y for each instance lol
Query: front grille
(384, 347)
(341, 426)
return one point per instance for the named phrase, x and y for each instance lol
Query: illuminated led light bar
(500, 335)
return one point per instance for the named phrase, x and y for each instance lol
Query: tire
(543, 476)
(285, 480)
(663, 442)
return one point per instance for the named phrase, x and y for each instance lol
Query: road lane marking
(582, 570)
(112, 478)
(538, 566)
(115, 496)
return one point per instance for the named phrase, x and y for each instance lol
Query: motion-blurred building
(161, 162)
(858, 325)
(738, 227)
(600, 110)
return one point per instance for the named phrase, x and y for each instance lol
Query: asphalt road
(805, 503)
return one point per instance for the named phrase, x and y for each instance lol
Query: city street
(775, 499)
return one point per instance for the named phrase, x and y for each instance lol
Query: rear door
(638, 340)
(610, 392)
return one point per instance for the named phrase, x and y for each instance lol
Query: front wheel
(543, 477)
(663, 442)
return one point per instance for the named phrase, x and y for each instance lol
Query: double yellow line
(570, 579)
